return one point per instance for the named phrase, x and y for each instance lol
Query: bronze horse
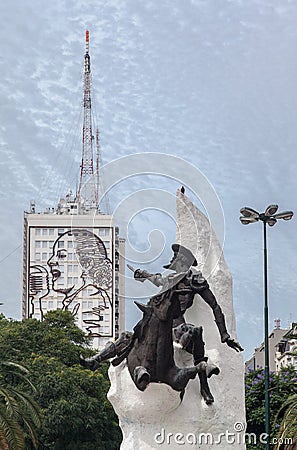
(151, 356)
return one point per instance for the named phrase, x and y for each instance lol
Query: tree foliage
(288, 425)
(281, 387)
(19, 413)
(76, 412)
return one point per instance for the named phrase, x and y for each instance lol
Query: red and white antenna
(88, 190)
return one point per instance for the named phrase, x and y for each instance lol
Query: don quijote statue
(149, 350)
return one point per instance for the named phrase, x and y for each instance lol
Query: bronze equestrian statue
(149, 350)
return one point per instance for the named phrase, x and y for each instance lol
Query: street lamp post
(269, 217)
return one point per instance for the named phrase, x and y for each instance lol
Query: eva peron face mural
(84, 251)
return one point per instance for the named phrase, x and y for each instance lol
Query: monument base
(157, 418)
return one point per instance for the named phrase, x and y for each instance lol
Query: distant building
(73, 256)
(286, 349)
(257, 361)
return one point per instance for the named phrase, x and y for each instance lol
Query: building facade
(286, 350)
(75, 261)
(277, 338)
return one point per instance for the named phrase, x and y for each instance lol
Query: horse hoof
(141, 377)
(211, 369)
(207, 397)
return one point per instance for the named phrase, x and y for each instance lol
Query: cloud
(211, 82)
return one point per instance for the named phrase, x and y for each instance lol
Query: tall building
(73, 257)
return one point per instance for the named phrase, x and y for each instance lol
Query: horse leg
(178, 378)
(204, 387)
(141, 377)
(199, 354)
(118, 348)
(93, 363)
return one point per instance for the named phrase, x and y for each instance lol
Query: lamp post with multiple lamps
(270, 217)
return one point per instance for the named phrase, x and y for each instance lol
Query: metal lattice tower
(87, 194)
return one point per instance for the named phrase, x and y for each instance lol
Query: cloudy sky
(213, 82)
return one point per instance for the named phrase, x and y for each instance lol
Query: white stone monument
(156, 418)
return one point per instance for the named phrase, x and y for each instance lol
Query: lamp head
(247, 220)
(286, 215)
(270, 210)
(249, 212)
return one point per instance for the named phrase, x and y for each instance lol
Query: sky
(209, 83)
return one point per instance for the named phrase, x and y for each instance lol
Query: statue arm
(155, 278)
(210, 299)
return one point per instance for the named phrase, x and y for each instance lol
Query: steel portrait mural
(93, 279)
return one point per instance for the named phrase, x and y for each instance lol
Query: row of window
(69, 257)
(51, 231)
(86, 306)
(62, 244)
(44, 231)
(44, 244)
(103, 329)
(44, 256)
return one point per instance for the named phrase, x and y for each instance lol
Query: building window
(60, 231)
(37, 244)
(70, 244)
(44, 232)
(44, 244)
(44, 256)
(37, 256)
(37, 231)
(51, 231)
(103, 231)
(61, 244)
(70, 267)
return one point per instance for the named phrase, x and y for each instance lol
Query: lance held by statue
(149, 350)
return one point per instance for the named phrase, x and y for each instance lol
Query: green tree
(76, 412)
(287, 415)
(288, 426)
(282, 386)
(19, 413)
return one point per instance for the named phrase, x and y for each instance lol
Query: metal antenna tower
(87, 194)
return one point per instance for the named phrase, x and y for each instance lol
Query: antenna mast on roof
(87, 194)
